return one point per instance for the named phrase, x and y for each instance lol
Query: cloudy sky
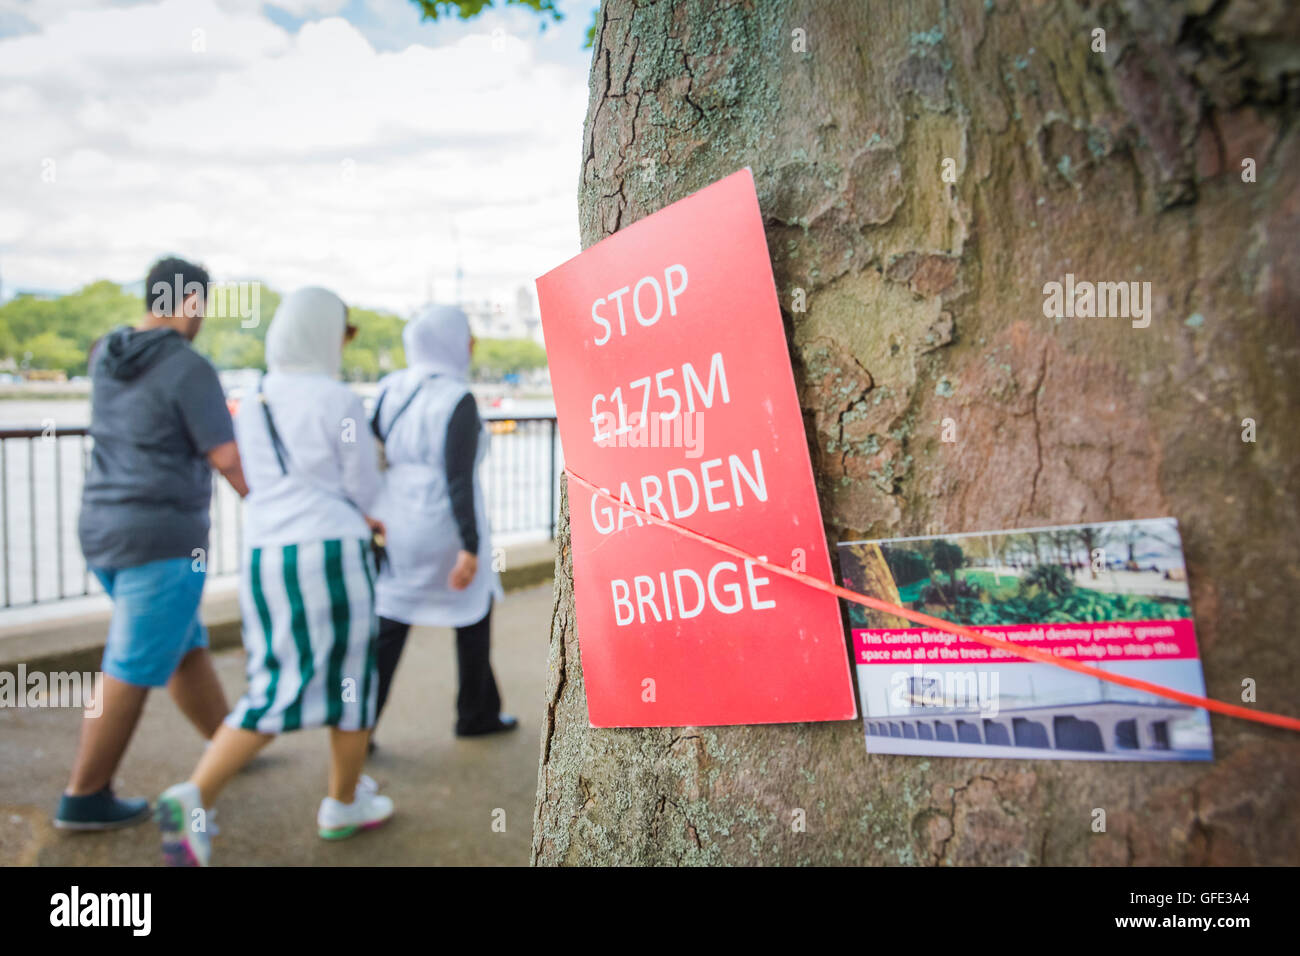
(337, 142)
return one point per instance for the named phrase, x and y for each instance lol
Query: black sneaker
(503, 723)
(100, 811)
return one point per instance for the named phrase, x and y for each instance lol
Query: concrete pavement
(446, 790)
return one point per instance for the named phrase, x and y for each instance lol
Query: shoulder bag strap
(276, 443)
(405, 405)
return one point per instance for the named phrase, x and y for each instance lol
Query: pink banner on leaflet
(1090, 641)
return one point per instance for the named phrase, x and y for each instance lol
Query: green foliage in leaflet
(947, 557)
(948, 593)
(1044, 595)
(907, 566)
(999, 587)
(1048, 578)
(1039, 606)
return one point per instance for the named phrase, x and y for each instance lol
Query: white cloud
(304, 157)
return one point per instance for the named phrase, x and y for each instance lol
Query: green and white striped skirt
(309, 630)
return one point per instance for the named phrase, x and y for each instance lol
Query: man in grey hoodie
(160, 425)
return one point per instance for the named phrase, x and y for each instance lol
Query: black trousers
(478, 703)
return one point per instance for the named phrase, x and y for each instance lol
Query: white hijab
(306, 333)
(437, 342)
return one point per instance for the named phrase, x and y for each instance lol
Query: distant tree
(494, 358)
(230, 339)
(231, 348)
(49, 350)
(59, 332)
(377, 348)
(468, 9)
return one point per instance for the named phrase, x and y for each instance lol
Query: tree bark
(924, 303)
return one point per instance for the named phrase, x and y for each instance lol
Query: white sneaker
(185, 825)
(368, 809)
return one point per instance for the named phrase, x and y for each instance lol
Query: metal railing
(42, 471)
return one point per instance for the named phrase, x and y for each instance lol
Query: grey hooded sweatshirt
(157, 409)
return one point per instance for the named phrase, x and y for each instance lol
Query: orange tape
(1033, 653)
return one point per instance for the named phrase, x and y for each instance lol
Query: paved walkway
(446, 789)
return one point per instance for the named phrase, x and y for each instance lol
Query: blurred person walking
(160, 425)
(440, 570)
(306, 588)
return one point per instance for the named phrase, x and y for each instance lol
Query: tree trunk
(925, 303)
(871, 572)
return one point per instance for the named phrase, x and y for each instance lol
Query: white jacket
(414, 503)
(332, 473)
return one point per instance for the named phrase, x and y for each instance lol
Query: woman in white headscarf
(439, 571)
(306, 586)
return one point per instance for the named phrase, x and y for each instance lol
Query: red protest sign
(674, 392)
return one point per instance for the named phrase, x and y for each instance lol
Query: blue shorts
(155, 619)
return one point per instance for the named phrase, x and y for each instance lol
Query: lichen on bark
(924, 303)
